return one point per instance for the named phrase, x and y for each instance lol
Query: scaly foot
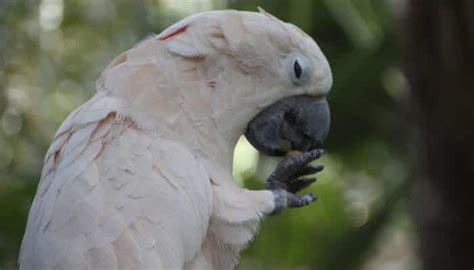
(287, 179)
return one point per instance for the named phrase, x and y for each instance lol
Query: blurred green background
(52, 51)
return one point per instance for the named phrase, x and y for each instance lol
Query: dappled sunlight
(51, 14)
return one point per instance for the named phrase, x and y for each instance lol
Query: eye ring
(298, 67)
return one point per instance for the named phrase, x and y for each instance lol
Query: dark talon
(311, 155)
(285, 180)
(303, 159)
(291, 168)
(300, 184)
(310, 170)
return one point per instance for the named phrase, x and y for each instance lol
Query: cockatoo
(140, 176)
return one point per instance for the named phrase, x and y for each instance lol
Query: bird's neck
(211, 139)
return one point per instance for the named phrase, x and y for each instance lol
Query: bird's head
(279, 74)
(298, 117)
(228, 73)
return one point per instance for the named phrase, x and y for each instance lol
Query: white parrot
(140, 176)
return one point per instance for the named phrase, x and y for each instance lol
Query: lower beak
(298, 123)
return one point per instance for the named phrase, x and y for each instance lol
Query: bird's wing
(115, 196)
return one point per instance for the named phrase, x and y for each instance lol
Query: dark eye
(297, 69)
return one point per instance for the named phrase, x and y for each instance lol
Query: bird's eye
(298, 68)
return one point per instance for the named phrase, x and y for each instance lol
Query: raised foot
(287, 179)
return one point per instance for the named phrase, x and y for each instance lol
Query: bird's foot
(288, 178)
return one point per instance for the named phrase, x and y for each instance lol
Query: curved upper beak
(298, 123)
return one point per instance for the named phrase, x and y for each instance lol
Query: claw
(285, 180)
(297, 162)
(293, 167)
(309, 170)
(300, 184)
(309, 156)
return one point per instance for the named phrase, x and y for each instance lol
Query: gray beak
(298, 123)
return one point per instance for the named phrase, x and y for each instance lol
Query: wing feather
(115, 196)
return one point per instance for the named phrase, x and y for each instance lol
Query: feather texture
(116, 198)
(140, 176)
